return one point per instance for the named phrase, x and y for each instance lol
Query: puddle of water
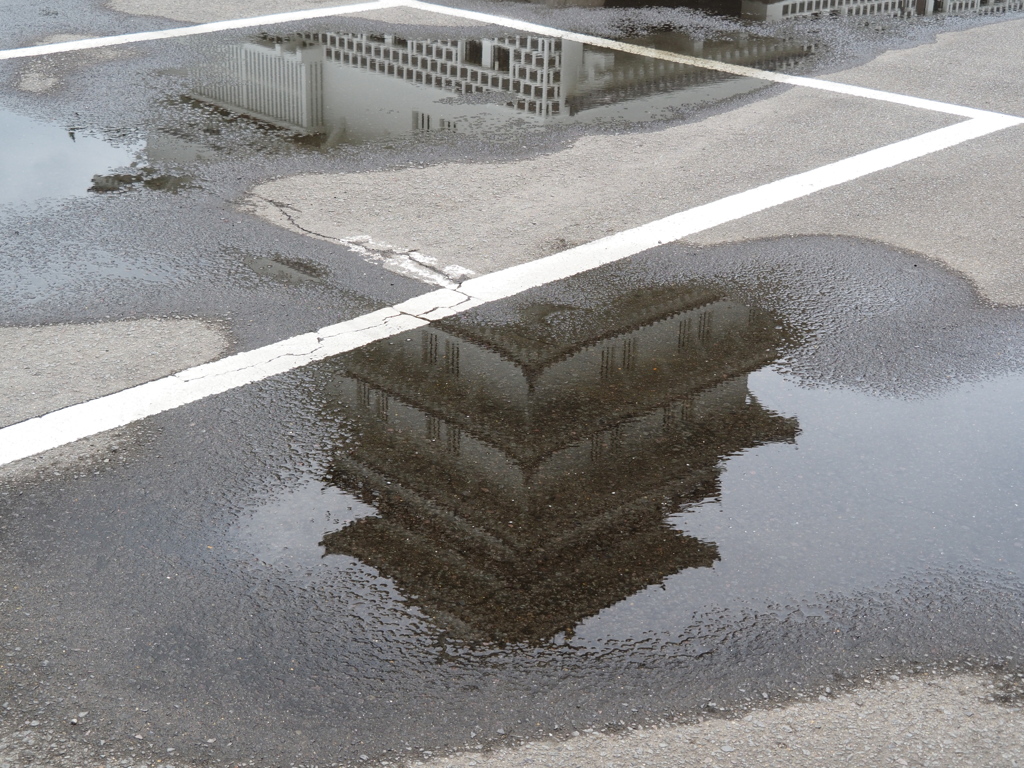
(41, 162)
(353, 87)
(284, 270)
(285, 532)
(569, 474)
(872, 489)
(524, 475)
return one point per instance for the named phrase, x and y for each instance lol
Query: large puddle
(216, 98)
(558, 474)
(524, 480)
(351, 87)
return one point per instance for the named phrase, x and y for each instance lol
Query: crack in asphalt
(384, 253)
(284, 208)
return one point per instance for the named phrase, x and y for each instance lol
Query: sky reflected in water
(41, 161)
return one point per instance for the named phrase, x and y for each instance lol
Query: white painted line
(65, 426)
(523, 26)
(196, 29)
(719, 66)
(513, 280)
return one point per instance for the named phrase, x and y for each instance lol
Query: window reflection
(523, 470)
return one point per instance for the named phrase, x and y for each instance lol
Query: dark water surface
(707, 475)
(580, 477)
(693, 480)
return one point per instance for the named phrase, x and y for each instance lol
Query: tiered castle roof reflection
(523, 470)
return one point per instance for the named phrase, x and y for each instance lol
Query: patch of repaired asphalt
(46, 368)
(51, 367)
(949, 68)
(962, 207)
(416, 17)
(520, 210)
(513, 212)
(924, 720)
(198, 11)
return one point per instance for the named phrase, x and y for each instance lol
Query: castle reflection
(523, 469)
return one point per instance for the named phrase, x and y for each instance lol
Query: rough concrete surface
(918, 721)
(956, 68)
(509, 213)
(73, 458)
(964, 207)
(413, 16)
(931, 721)
(514, 212)
(200, 11)
(55, 366)
(50, 367)
(44, 74)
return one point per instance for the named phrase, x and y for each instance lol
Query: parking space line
(719, 66)
(523, 26)
(65, 426)
(508, 282)
(195, 29)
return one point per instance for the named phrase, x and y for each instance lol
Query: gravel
(919, 721)
(927, 720)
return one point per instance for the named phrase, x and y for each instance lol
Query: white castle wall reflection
(777, 11)
(354, 86)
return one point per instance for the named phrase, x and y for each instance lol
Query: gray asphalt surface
(165, 598)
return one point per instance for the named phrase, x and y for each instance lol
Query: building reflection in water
(523, 471)
(356, 87)
(780, 9)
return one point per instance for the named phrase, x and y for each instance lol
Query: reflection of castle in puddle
(354, 87)
(523, 472)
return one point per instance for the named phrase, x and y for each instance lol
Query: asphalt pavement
(489, 469)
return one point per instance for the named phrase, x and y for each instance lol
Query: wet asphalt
(340, 564)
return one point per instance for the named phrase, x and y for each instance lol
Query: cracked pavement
(288, 546)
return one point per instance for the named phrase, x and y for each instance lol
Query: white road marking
(733, 69)
(75, 422)
(65, 426)
(523, 26)
(196, 29)
(508, 282)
